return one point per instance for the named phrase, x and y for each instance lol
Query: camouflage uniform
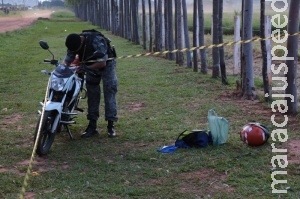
(109, 81)
(108, 77)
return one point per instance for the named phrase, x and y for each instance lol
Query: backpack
(111, 52)
(195, 138)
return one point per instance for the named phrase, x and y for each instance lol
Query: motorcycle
(60, 106)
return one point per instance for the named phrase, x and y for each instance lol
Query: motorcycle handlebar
(52, 61)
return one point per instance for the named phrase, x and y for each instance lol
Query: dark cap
(73, 42)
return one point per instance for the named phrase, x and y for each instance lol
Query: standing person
(103, 65)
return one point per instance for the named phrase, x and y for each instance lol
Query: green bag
(219, 127)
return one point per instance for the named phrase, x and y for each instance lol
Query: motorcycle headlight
(57, 84)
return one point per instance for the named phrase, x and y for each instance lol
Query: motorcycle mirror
(44, 45)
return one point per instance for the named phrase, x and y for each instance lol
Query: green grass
(156, 101)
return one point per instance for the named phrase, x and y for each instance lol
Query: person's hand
(76, 61)
(81, 69)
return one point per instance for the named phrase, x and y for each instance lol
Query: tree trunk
(264, 51)
(186, 35)
(114, 16)
(127, 24)
(121, 19)
(195, 54)
(248, 76)
(215, 50)
(202, 37)
(150, 25)
(221, 49)
(179, 54)
(292, 47)
(155, 25)
(144, 25)
(241, 49)
(170, 32)
(158, 36)
(135, 21)
(166, 26)
(106, 15)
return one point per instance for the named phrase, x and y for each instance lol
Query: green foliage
(156, 101)
(228, 22)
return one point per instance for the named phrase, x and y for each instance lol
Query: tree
(195, 54)
(186, 35)
(170, 29)
(292, 47)
(179, 54)
(135, 21)
(114, 16)
(215, 33)
(202, 36)
(221, 49)
(264, 51)
(150, 25)
(144, 24)
(158, 26)
(127, 19)
(248, 89)
(121, 19)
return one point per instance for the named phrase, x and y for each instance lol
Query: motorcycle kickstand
(69, 132)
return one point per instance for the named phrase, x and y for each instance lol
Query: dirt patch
(255, 107)
(30, 195)
(293, 147)
(9, 120)
(135, 106)
(211, 182)
(11, 170)
(40, 164)
(10, 23)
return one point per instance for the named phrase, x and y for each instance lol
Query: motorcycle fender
(50, 106)
(54, 106)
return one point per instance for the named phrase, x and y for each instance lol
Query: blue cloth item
(168, 149)
(181, 144)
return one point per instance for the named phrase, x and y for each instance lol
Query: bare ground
(10, 23)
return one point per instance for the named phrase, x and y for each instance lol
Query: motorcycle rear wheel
(46, 137)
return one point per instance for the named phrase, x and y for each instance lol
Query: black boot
(90, 130)
(110, 129)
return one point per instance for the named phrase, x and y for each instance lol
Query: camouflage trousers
(110, 88)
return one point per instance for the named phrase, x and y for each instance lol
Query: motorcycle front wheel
(46, 137)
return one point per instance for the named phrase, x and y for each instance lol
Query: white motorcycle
(60, 107)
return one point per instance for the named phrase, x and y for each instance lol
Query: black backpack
(111, 52)
(195, 138)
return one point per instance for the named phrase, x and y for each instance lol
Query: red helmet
(254, 134)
